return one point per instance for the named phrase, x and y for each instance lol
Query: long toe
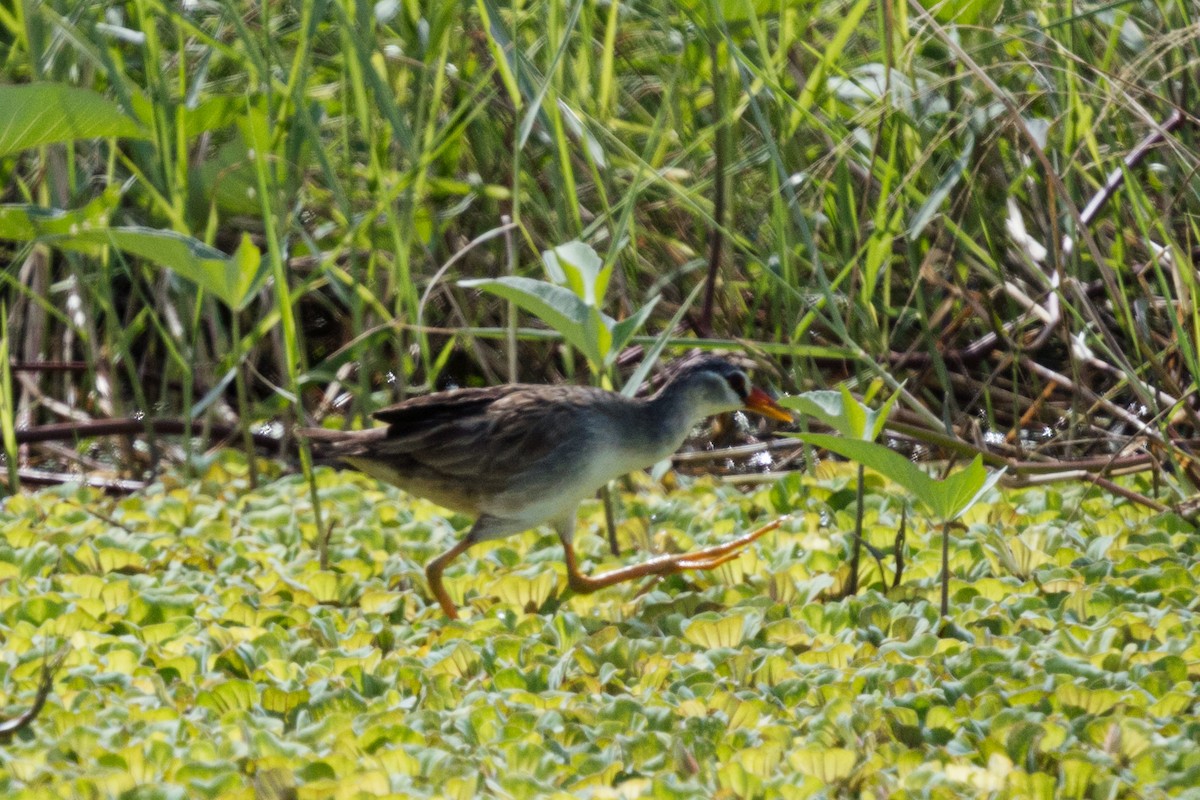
(708, 558)
(720, 553)
(691, 562)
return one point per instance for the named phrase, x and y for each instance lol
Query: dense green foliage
(219, 211)
(868, 169)
(211, 657)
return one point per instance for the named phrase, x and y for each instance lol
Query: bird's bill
(761, 403)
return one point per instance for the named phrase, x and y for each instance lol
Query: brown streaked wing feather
(519, 429)
(433, 409)
(465, 447)
(484, 437)
(527, 430)
(334, 444)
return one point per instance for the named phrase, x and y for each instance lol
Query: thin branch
(50, 668)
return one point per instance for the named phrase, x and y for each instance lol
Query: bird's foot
(715, 556)
(691, 562)
(704, 559)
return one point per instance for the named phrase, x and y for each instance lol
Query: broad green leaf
(856, 414)
(1060, 664)
(877, 418)
(458, 661)
(230, 279)
(380, 602)
(26, 223)
(743, 714)
(1014, 554)
(116, 593)
(244, 275)
(233, 695)
(1076, 774)
(580, 324)
(36, 114)
(826, 765)
(837, 656)
(226, 179)
(1023, 740)
(961, 489)
(827, 405)
(762, 762)
(280, 701)
(1062, 580)
(576, 266)
(36, 610)
(1093, 701)
(715, 631)
(179, 668)
(213, 113)
(114, 560)
(887, 462)
(484, 723)
(737, 781)
(325, 586)
(941, 717)
(1172, 704)
(946, 499)
(524, 591)
(842, 412)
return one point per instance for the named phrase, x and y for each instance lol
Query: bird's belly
(557, 492)
(531, 514)
(448, 494)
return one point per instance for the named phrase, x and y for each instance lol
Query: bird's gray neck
(665, 421)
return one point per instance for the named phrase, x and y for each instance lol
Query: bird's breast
(553, 488)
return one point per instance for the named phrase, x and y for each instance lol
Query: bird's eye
(739, 384)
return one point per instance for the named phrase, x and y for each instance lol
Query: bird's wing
(418, 413)
(482, 450)
(486, 434)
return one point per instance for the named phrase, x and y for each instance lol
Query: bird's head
(714, 385)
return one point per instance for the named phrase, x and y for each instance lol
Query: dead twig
(50, 668)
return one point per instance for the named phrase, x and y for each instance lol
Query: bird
(517, 456)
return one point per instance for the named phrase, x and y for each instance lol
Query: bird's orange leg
(433, 572)
(708, 558)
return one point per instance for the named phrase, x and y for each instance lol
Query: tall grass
(871, 162)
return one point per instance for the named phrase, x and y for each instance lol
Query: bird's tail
(330, 447)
